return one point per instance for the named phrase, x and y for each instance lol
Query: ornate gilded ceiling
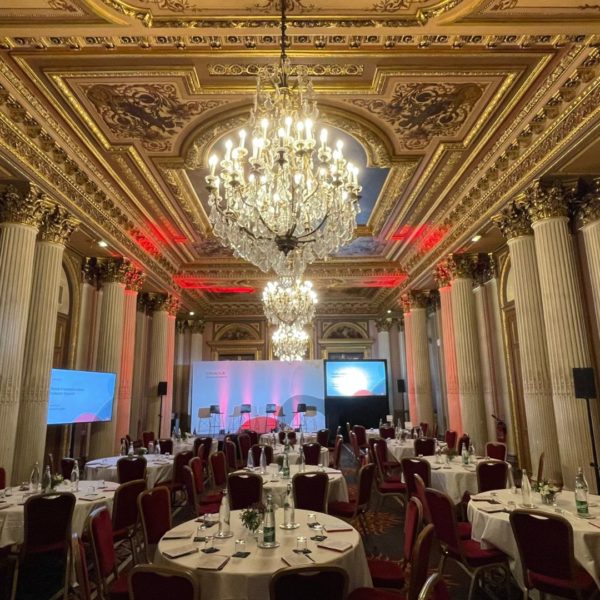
(113, 107)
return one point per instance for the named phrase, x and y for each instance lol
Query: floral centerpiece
(546, 490)
(57, 479)
(252, 517)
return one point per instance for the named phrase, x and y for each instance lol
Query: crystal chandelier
(283, 199)
(290, 342)
(289, 301)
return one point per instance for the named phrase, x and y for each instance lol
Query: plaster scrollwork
(590, 210)
(513, 222)
(461, 266)
(546, 202)
(113, 270)
(442, 274)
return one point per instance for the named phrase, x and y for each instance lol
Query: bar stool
(235, 418)
(245, 409)
(203, 414)
(215, 419)
(310, 418)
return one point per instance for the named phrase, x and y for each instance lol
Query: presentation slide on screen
(229, 384)
(80, 396)
(349, 378)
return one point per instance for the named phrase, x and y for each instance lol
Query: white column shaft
(567, 343)
(85, 326)
(591, 238)
(17, 247)
(157, 368)
(170, 358)
(37, 359)
(110, 346)
(140, 363)
(421, 366)
(127, 366)
(472, 408)
(410, 377)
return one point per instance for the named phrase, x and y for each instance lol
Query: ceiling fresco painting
(449, 108)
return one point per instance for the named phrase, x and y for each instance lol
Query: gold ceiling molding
(189, 14)
(312, 69)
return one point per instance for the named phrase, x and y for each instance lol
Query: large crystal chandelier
(290, 342)
(283, 199)
(289, 301)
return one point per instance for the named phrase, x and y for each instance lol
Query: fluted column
(383, 351)
(590, 217)
(421, 368)
(20, 217)
(140, 364)
(470, 388)
(444, 277)
(533, 353)
(182, 367)
(30, 442)
(110, 347)
(196, 344)
(133, 283)
(87, 307)
(410, 378)
(168, 399)
(566, 334)
(158, 365)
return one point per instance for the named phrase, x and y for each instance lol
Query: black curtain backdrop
(361, 410)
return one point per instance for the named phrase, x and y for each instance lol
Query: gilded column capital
(485, 268)
(513, 221)
(590, 209)
(166, 302)
(57, 226)
(197, 326)
(24, 207)
(113, 270)
(384, 323)
(90, 270)
(405, 302)
(415, 299)
(181, 325)
(546, 202)
(442, 274)
(461, 265)
(144, 303)
(134, 278)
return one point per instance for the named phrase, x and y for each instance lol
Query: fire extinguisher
(500, 429)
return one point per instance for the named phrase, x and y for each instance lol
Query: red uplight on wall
(189, 282)
(425, 237)
(384, 281)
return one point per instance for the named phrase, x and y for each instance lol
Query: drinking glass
(311, 520)
(240, 545)
(208, 541)
(301, 543)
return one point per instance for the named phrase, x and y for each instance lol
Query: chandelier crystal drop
(290, 342)
(285, 197)
(289, 301)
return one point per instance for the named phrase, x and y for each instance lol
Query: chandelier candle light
(283, 199)
(290, 342)
(289, 301)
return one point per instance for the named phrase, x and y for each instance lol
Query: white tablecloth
(454, 478)
(495, 529)
(188, 444)
(277, 487)
(267, 438)
(159, 467)
(294, 454)
(400, 450)
(12, 521)
(248, 578)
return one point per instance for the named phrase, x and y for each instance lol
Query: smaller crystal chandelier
(289, 301)
(290, 342)
(285, 197)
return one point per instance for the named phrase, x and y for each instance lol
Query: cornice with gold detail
(57, 226)
(26, 207)
(513, 222)
(545, 202)
(312, 69)
(475, 208)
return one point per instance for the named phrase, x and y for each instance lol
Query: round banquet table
(453, 478)
(267, 438)
(494, 528)
(159, 467)
(248, 578)
(277, 486)
(184, 445)
(294, 454)
(400, 450)
(90, 495)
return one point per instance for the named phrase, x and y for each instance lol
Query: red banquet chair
(359, 456)
(244, 444)
(312, 453)
(419, 565)
(349, 511)
(181, 460)
(254, 438)
(424, 429)
(47, 521)
(492, 475)
(468, 554)
(80, 568)
(391, 574)
(203, 497)
(495, 450)
(131, 468)
(389, 463)
(245, 490)
(387, 432)
(66, 468)
(424, 446)
(125, 512)
(218, 470)
(323, 437)
(310, 491)
(166, 445)
(317, 583)
(154, 507)
(147, 437)
(231, 455)
(149, 582)
(334, 462)
(545, 543)
(361, 436)
(387, 485)
(199, 508)
(257, 450)
(412, 467)
(450, 439)
(105, 559)
(464, 440)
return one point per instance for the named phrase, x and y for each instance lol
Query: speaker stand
(160, 416)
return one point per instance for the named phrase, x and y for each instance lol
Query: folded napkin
(212, 562)
(336, 546)
(91, 497)
(178, 535)
(180, 551)
(297, 559)
(488, 507)
(336, 528)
